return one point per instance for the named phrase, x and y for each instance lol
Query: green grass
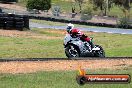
(115, 45)
(21, 47)
(30, 48)
(57, 79)
(22, 3)
(65, 6)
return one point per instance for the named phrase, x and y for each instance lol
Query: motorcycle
(74, 47)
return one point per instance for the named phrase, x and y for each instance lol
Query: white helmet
(69, 27)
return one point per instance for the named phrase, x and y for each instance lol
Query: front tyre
(71, 51)
(99, 53)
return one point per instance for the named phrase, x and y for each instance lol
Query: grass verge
(48, 43)
(57, 79)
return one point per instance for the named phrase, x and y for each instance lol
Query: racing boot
(94, 48)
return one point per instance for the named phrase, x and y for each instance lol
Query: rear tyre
(72, 51)
(99, 53)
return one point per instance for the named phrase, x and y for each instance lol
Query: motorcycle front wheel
(71, 51)
(100, 53)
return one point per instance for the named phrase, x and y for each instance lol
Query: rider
(74, 32)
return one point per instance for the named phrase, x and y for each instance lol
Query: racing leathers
(77, 33)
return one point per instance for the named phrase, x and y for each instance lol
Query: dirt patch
(12, 6)
(15, 33)
(29, 67)
(25, 34)
(57, 31)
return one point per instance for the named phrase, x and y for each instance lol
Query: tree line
(103, 5)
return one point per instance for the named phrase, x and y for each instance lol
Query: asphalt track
(92, 29)
(51, 59)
